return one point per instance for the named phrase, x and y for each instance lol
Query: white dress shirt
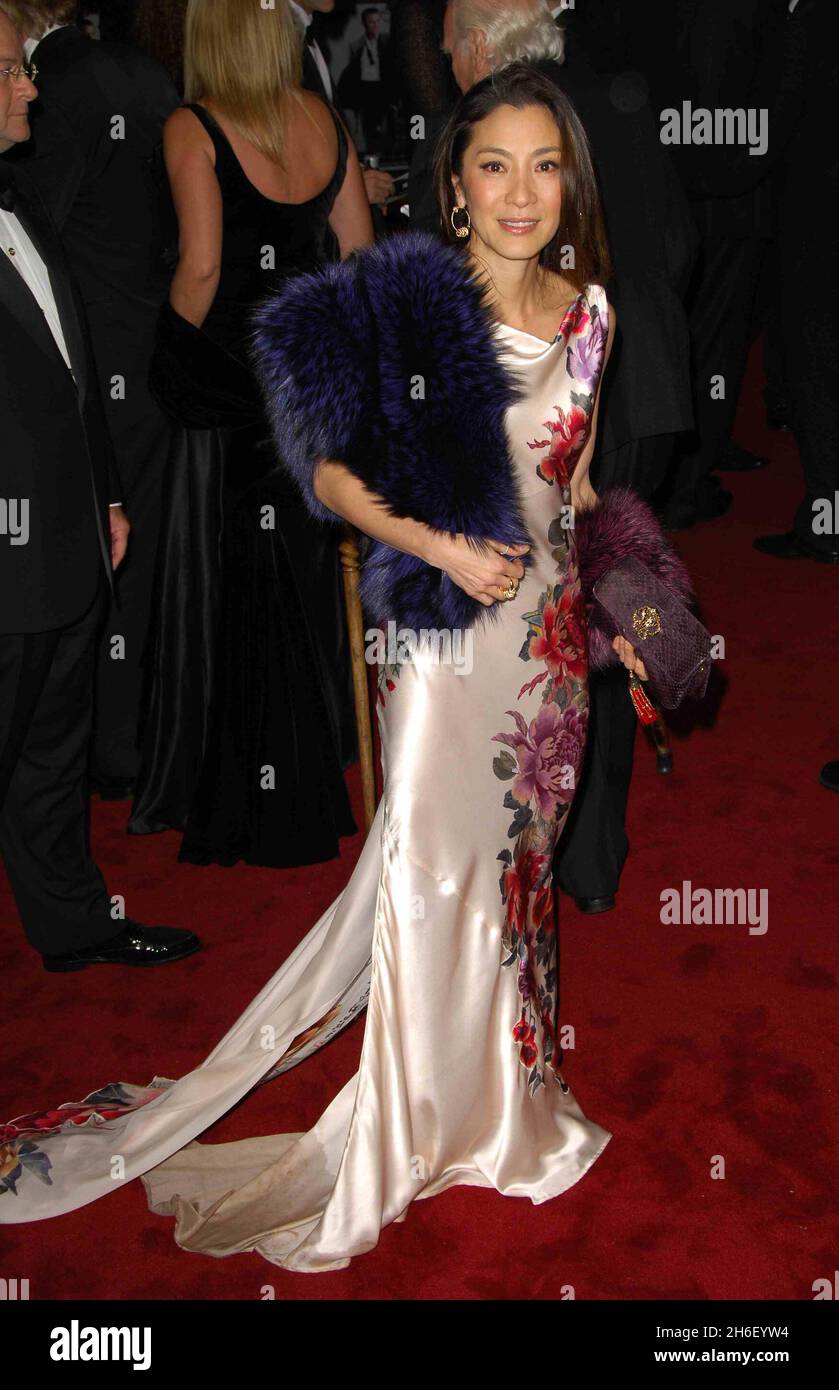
(370, 69)
(305, 19)
(19, 249)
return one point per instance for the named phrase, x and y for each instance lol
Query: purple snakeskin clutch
(671, 642)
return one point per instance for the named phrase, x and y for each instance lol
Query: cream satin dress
(445, 932)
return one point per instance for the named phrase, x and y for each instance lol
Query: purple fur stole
(387, 362)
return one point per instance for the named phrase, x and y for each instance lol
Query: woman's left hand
(630, 658)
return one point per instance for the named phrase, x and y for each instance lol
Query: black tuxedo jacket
(97, 178)
(312, 80)
(55, 450)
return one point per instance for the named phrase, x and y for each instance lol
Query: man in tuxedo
(96, 131)
(368, 79)
(378, 183)
(62, 531)
(316, 74)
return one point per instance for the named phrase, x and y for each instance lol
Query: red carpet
(694, 1042)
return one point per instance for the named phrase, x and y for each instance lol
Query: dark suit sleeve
(99, 436)
(115, 489)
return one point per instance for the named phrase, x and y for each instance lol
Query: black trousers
(813, 396)
(642, 464)
(46, 712)
(593, 847)
(721, 303)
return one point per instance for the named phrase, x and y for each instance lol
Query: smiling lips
(518, 226)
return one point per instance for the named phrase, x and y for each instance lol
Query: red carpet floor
(693, 1041)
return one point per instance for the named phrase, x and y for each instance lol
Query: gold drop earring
(463, 229)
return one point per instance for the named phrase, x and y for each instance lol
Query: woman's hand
(483, 576)
(630, 658)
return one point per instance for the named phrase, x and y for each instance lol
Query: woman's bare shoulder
(183, 128)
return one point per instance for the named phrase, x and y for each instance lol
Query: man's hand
(379, 185)
(120, 527)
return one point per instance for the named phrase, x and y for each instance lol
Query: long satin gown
(446, 931)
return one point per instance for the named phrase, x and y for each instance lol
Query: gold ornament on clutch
(646, 622)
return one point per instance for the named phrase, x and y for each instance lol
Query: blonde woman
(266, 184)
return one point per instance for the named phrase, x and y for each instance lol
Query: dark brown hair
(581, 221)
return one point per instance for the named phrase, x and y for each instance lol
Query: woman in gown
(249, 716)
(446, 928)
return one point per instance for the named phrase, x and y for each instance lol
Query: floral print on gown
(445, 933)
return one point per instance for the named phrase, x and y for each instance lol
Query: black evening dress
(248, 713)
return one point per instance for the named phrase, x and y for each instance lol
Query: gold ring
(511, 589)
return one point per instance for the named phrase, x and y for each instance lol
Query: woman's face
(511, 181)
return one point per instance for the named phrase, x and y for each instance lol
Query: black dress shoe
(134, 945)
(789, 547)
(735, 459)
(679, 515)
(113, 788)
(829, 776)
(604, 904)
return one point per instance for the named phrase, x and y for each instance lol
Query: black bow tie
(8, 190)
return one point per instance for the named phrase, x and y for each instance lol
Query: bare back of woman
(311, 149)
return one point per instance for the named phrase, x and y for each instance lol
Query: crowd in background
(227, 633)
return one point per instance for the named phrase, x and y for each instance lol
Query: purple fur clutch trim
(621, 524)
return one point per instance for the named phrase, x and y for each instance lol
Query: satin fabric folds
(460, 1078)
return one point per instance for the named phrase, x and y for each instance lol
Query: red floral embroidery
(525, 1035)
(544, 754)
(518, 882)
(577, 317)
(385, 683)
(561, 640)
(570, 433)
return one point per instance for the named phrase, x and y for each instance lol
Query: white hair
(515, 30)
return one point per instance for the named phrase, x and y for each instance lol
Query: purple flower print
(526, 983)
(553, 743)
(585, 357)
(570, 748)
